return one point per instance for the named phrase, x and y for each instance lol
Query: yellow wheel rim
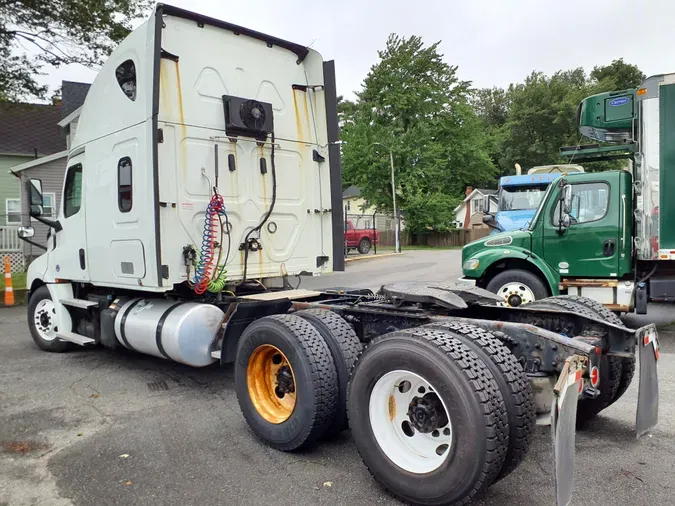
(271, 384)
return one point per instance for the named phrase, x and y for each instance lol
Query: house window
(124, 186)
(126, 77)
(13, 208)
(13, 211)
(48, 204)
(349, 207)
(72, 194)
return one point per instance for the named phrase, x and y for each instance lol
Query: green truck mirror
(566, 197)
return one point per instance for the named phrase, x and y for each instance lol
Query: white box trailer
(206, 164)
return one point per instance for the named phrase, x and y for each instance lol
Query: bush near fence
(458, 238)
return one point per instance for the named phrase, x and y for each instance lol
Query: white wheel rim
(514, 292)
(390, 401)
(44, 317)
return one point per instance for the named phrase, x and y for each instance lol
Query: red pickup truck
(359, 238)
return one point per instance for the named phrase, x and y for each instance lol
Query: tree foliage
(35, 33)
(413, 104)
(618, 75)
(529, 122)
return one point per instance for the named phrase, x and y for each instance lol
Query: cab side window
(126, 78)
(124, 185)
(590, 202)
(72, 193)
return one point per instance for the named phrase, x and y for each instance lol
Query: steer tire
(45, 339)
(475, 410)
(312, 369)
(531, 281)
(513, 385)
(364, 246)
(345, 348)
(610, 367)
(627, 364)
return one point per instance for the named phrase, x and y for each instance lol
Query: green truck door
(591, 246)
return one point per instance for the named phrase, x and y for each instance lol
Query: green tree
(412, 102)
(35, 33)
(618, 75)
(492, 106)
(541, 115)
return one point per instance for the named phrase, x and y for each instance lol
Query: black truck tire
(458, 384)
(285, 381)
(513, 385)
(42, 322)
(364, 246)
(345, 348)
(522, 282)
(627, 364)
(610, 367)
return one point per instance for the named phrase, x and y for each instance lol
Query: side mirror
(566, 221)
(25, 232)
(566, 197)
(34, 192)
(490, 221)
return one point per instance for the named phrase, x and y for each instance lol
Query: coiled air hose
(210, 275)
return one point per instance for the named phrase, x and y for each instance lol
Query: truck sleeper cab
(205, 172)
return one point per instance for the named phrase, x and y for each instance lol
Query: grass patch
(18, 281)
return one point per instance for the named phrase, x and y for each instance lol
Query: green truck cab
(608, 235)
(593, 240)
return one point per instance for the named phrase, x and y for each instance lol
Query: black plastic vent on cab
(247, 117)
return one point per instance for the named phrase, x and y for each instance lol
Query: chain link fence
(368, 234)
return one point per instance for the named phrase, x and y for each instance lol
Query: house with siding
(469, 214)
(361, 213)
(34, 142)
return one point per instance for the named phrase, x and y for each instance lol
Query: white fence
(9, 241)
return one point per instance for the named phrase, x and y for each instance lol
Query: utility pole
(397, 247)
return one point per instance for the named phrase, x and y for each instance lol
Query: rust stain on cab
(309, 129)
(298, 118)
(260, 262)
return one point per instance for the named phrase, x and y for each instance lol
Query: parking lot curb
(372, 257)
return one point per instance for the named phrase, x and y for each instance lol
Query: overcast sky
(494, 42)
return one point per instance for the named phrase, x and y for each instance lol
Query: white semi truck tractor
(204, 181)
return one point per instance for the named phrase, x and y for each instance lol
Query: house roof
(39, 161)
(352, 191)
(30, 129)
(72, 96)
(484, 191)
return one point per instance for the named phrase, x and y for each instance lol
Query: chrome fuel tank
(179, 331)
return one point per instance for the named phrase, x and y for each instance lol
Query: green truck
(603, 235)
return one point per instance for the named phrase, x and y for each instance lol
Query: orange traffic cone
(9, 291)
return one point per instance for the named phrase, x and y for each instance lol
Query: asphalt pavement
(97, 427)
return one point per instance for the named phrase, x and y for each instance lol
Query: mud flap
(648, 388)
(563, 425)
